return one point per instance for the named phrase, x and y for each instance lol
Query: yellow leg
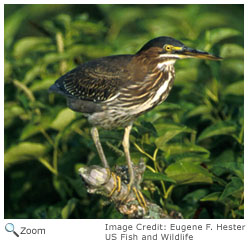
(118, 183)
(126, 147)
(115, 186)
(96, 139)
(140, 197)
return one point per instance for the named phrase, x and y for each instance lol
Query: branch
(113, 185)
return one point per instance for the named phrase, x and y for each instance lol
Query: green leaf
(30, 130)
(135, 158)
(231, 50)
(110, 135)
(236, 88)
(23, 152)
(226, 163)
(89, 28)
(178, 149)
(149, 175)
(220, 128)
(77, 166)
(169, 107)
(186, 75)
(77, 184)
(199, 110)
(36, 126)
(216, 35)
(88, 50)
(12, 25)
(53, 212)
(29, 44)
(30, 75)
(222, 167)
(130, 14)
(61, 186)
(235, 167)
(146, 127)
(11, 111)
(64, 20)
(192, 158)
(233, 66)
(69, 208)
(64, 117)
(194, 196)
(186, 153)
(208, 20)
(234, 188)
(212, 197)
(168, 132)
(162, 140)
(7, 70)
(53, 57)
(187, 173)
(44, 84)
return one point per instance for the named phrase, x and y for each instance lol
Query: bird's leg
(96, 139)
(126, 147)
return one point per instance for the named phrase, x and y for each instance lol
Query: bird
(113, 91)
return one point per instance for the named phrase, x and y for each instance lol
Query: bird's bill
(194, 53)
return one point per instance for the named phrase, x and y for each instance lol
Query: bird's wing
(97, 80)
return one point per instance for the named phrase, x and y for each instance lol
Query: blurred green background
(192, 143)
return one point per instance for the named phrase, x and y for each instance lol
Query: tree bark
(113, 185)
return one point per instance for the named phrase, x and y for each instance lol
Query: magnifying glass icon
(10, 228)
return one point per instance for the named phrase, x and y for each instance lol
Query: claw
(115, 186)
(118, 183)
(140, 197)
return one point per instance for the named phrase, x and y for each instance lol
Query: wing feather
(97, 80)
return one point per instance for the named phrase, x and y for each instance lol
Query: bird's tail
(54, 89)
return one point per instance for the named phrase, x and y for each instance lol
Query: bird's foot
(117, 184)
(138, 194)
(134, 205)
(140, 197)
(133, 182)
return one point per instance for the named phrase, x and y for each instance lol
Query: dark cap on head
(160, 42)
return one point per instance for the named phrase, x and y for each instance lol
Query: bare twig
(114, 186)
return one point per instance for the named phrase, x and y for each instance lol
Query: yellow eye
(168, 48)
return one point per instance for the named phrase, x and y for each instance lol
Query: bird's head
(168, 48)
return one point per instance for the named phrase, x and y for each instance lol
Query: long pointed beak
(194, 53)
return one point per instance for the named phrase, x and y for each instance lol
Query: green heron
(113, 91)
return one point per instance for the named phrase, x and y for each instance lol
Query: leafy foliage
(192, 143)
